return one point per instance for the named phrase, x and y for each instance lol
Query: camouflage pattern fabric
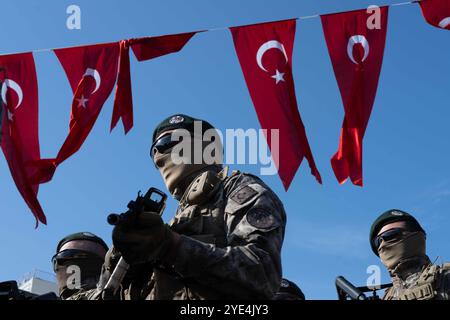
(230, 246)
(432, 283)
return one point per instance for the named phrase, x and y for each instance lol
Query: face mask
(76, 274)
(392, 253)
(176, 170)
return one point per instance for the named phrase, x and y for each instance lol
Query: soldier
(399, 240)
(225, 239)
(78, 263)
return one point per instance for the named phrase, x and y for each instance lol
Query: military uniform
(89, 294)
(231, 238)
(225, 239)
(400, 242)
(431, 283)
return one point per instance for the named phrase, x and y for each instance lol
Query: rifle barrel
(349, 289)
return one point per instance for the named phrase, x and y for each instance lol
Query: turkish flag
(144, 49)
(356, 54)
(436, 12)
(92, 72)
(265, 54)
(123, 99)
(19, 124)
(152, 47)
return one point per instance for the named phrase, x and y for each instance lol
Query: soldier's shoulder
(239, 179)
(242, 186)
(245, 192)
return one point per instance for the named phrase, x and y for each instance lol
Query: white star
(82, 101)
(10, 115)
(279, 76)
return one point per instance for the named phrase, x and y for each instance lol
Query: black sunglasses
(388, 235)
(70, 254)
(163, 145)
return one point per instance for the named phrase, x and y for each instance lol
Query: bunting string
(95, 71)
(225, 28)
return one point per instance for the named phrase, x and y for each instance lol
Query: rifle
(136, 208)
(347, 291)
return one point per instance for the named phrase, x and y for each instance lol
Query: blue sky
(406, 149)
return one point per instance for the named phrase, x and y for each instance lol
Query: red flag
(144, 49)
(265, 54)
(123, 100)
(357, 55)
(19, 124)
(153, 47)
(437, 12)
(92, 72)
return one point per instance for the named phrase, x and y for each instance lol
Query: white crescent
(351, 43)
(444, 23)
(94, 74)
(8, 83)
(272, 44)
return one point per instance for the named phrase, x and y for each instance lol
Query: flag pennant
(92, 72)
(19, 125)
(152, 47)
(144, 49)
(265, 54)
(356, 52)
(436, 13)
(123, 100)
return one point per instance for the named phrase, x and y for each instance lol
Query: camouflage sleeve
(85, 295)
(250, 266)
(387, 294)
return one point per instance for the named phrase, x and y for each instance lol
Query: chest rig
(428, 285)
(200, 214)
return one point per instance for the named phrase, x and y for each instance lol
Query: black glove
(146, 239)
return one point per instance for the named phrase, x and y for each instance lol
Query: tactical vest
(432, 284)
(201, 211)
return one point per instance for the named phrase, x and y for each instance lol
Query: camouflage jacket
(90, 294)
(431, 283)
(230, 246)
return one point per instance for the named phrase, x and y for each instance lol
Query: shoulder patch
(243, 195)
(261, 218)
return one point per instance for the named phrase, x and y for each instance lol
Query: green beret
(179, 121)
(390, 216)
(82, 236)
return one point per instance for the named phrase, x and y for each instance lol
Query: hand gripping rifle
(141, 205)
(347, 291)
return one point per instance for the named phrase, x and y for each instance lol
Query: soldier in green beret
(400, 242)
(225, 239)
(78, 263)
